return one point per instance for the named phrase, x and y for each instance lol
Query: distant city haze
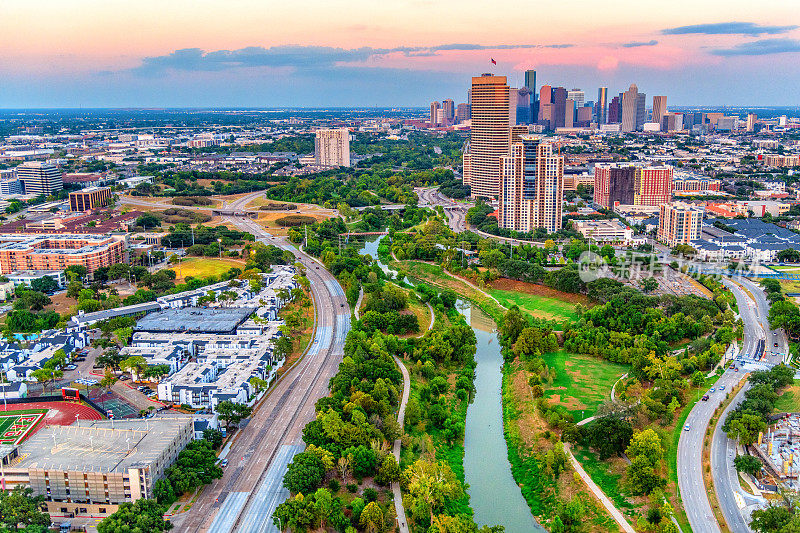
(190, 53)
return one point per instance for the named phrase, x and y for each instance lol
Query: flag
(494, 62)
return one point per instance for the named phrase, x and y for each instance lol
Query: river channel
(494, 495)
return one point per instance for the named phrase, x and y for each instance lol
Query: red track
(58, 414)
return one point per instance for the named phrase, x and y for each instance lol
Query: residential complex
(632, 184)
(332, 147)
(679, 223)
(92, 466)
(489, 135)
(532, 186)
(57, 251)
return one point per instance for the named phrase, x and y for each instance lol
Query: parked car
(70, 367)
(224, 463)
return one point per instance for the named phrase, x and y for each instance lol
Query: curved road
(690, 471)
(251, 487)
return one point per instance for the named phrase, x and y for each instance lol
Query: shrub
(192, 200)
(277, 207)
(294, 220)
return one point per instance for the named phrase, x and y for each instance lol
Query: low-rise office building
(58, 251)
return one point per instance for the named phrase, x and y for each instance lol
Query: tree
(148, 220)
(609, 435)
(232, 412)
(44, 284)
(748, 464)
(645, 453)
(31, 300)
(430, 484)
(19, 507)
(142, 516)
(746, 428)
(648, 284)
(372, 519)
(214, 436)
(770, 520)
(74, 289)
(304, 474)
(76, 272)
(47, 374)
(135, 364)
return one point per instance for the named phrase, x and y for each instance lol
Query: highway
(455, 212)
(690, 472)
(251, 487)
(737, 509)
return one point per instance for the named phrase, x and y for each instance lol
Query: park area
(581, 382)
(789, 400)
(538, 301)
(202, 267)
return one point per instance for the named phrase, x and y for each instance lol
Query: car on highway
(736, 369)
(722, 387)
(711, 390)
(732, 366)
(705, 397)
(223, 463)
(776, 345)
(687, 427)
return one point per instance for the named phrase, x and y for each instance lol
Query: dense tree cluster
(751, 416)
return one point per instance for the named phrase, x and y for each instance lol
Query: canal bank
(494, 495)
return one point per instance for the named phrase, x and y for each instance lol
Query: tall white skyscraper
(332, 147)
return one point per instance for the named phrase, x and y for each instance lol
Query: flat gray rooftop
(95, 447)
(195, 320)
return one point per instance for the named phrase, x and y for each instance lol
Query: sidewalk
(401, 415)
(608, 504)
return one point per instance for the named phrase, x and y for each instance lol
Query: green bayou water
(494, 495)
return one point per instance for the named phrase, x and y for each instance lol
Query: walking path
(608, 504)
(401, 415)
(358, 303)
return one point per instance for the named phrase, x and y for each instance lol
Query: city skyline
(94, 55)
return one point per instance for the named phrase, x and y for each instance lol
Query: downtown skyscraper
(489, 134)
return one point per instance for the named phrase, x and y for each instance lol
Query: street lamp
(220, 247)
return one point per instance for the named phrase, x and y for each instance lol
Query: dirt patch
(506, 284)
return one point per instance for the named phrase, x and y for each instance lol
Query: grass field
(537, 306)
(789, 285)
(201, 267)
(15, 425)
(607, 475)
(582, 382)
(789, 401)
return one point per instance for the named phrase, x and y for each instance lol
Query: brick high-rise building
(679, 223)
(629, 184)
(533, 186)
(614, 111)
(462, 113)
(489, 135)
(448, 107)
(434, 118)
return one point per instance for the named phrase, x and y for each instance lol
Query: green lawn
(201, 267)
(607, 480)
(537, 306)
(789, 400)
(582, 382)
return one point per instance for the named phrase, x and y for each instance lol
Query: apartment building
(332, 147)
(632, 184)
(58, 251)
(679, 223)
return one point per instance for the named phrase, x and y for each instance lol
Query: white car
(687, 427)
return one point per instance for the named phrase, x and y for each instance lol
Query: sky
(326, 53)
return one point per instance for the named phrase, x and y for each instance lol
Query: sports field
(16, 425)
